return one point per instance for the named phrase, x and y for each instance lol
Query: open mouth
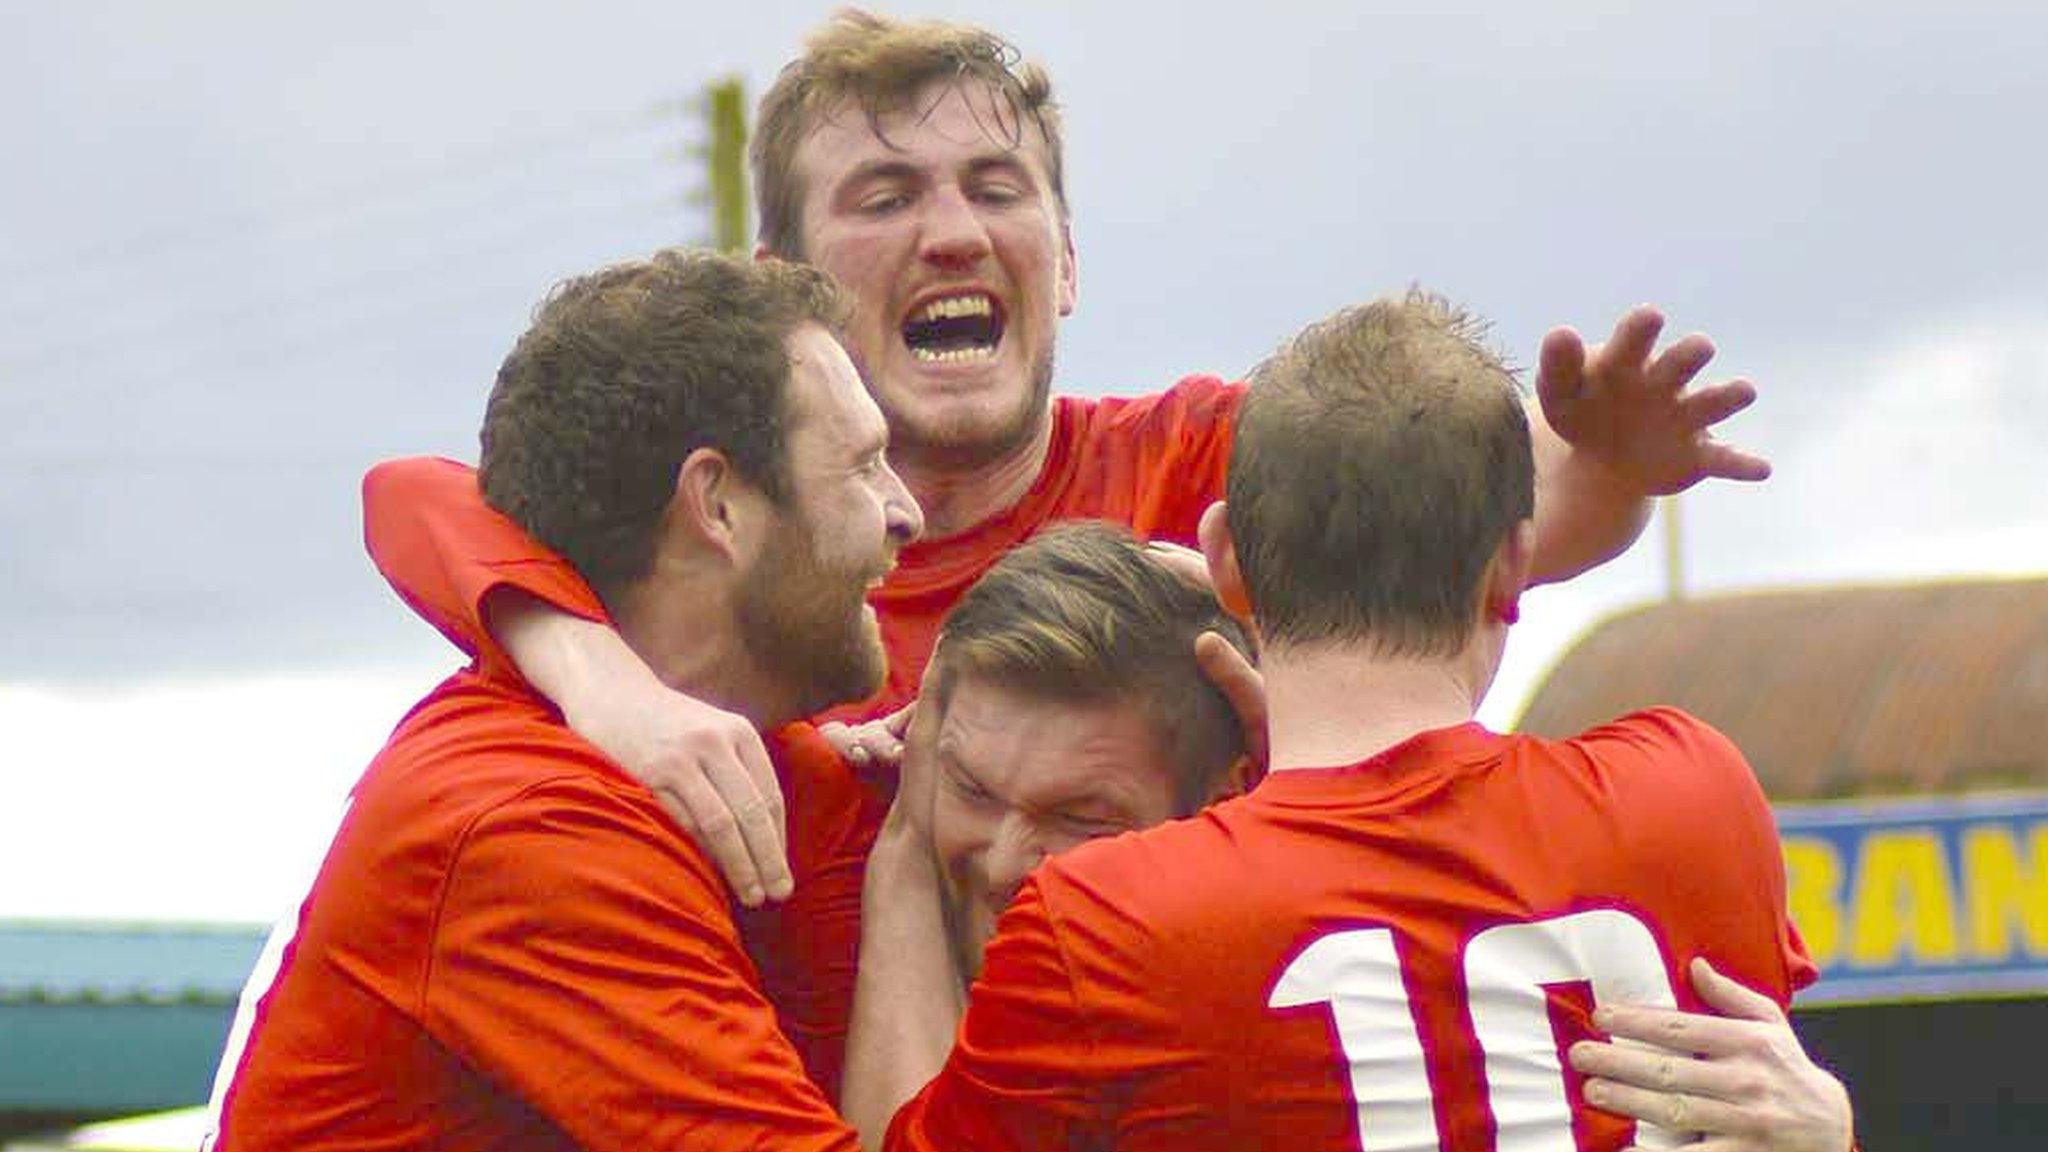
(954, 329)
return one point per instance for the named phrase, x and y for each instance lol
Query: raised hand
(1633, 409)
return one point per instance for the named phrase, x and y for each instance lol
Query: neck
(685, 627)
(1336, 704)
(958, 491)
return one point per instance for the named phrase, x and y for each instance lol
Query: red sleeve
(584, 958)
(1747, 840)
(1186, 456)
(443, 550)
(808, 946)
(1023, 1070)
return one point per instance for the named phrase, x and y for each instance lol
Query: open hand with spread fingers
(1634, 409)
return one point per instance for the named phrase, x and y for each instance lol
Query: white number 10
(1358, 974)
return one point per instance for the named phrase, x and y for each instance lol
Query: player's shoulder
(1157, 874)
(1192, 400)
(477, 748)
(1661, 729)
(1667, 750)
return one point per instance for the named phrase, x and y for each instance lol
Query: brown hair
(624, 373)
(1381, 458)
(1082, 613)
(882, 66)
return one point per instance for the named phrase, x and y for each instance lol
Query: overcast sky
(248, 248)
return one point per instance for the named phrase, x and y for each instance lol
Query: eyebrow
(874, 170)
(1008, 161)
(951, 764)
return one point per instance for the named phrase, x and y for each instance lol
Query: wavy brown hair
(624, 373)
(882, 67)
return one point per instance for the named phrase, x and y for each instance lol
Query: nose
(1014, 852)
(903, 518)
(953, 233)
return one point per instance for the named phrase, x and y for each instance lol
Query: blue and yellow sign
(1928, 899)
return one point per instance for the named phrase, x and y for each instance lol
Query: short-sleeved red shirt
(510, 946)
(1388, 955)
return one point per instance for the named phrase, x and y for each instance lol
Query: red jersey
(1390, 955)
(1152, 464)
(509, 945)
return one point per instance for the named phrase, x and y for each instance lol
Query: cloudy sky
(248, 248)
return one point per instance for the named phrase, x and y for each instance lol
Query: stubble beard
(962, 443)
(805, 625)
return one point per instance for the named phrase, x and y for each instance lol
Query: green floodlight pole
(725, 162)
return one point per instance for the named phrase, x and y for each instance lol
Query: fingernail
(1603, 1017)
(750, 896)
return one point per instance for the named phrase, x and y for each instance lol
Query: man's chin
(987, 421)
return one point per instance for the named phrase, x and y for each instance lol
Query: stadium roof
(1856, 691)
(100, 1019)
(85, 962)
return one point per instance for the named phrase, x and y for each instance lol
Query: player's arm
(1617, 425)
(1740, 1078)
(584, 958)
(483, 582)
(907, 995)
(1025, 1071)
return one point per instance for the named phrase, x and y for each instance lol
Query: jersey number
(1358, 974)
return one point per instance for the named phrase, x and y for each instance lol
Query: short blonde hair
(1083, 614)
(1381, 458)
(882, 65)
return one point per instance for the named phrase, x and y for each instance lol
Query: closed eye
(882, 204)
(1093, 827)
(966, 787)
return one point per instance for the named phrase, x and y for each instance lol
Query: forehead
(946, 123)
(1033, 751)
(828, 404)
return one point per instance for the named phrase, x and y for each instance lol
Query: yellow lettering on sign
(1904, 897)
(1813, 887)
(2006, 892)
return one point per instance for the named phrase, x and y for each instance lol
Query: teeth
(946, 307)
(952, 355)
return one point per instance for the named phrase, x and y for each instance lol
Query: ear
(1221, 553)
(1236, 780)
(1070, 271)
(1508, 576)
(714, 505)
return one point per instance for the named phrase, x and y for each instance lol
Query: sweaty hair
(1381, 458)
(624, 373)
(881, 67)
(1082, 614)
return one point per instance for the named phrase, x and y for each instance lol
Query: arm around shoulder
(444, 550)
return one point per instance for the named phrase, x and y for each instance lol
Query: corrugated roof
(67, 962)
(1925, 688)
